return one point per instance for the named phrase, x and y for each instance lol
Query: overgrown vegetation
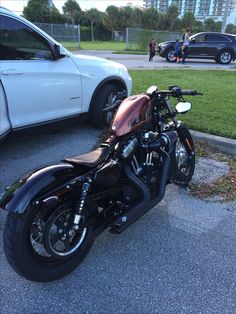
(214, 112)
(222, 189)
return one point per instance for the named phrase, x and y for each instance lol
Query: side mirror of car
(57, 52)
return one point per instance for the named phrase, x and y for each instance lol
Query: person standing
(185, 47)
(152, 49)
(177, 52)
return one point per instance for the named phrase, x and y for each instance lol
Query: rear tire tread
(14, 251)
(9, 240)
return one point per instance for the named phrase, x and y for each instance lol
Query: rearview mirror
(183, 107)
(151, 89)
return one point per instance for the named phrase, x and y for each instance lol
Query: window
(217, 38)
(202, 38)
(19, 42)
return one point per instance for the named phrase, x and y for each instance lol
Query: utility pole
(226, 13)
(50, 6)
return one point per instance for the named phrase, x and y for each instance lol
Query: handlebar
(178, 92)
(117, 99)
(186, 92)
(122, 95)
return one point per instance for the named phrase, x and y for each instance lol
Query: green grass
(214, 112)
(116, 47)
(95, 45)
(102, 45)
(70, 45)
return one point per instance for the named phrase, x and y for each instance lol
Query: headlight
(163, 46)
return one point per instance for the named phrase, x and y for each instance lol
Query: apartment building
(202, 9)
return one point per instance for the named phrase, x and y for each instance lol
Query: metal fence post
(78, 28)
(52, 30)
(127, 38)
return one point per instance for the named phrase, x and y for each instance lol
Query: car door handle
(203, 45)
(221, 44)
(11, 72)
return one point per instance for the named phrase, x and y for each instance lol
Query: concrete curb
(223, 144)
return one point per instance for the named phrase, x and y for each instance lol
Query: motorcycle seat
(90, 160)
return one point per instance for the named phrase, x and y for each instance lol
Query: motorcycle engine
(147, 167)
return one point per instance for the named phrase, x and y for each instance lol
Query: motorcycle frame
(47, 184)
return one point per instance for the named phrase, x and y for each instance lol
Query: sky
(18, 5)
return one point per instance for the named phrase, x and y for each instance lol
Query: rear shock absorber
(78, 214)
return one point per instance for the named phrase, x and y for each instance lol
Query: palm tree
(72, 9)
(94, 16)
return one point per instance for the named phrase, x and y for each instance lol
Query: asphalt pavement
(141, 62)
(178, 258)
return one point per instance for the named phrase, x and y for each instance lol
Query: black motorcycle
(55, 213)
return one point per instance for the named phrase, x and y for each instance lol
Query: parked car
(41, 81)
(220, 47)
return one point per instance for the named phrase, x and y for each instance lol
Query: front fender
(23, 192)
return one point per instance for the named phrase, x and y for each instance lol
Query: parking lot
(178, 258)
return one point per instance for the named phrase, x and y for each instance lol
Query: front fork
(185, 137)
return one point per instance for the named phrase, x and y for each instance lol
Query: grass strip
(214, 112)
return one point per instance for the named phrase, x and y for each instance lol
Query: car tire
(224, 57)
(169, 54)
(102, 100)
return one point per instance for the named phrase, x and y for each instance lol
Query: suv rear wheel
(224, 57)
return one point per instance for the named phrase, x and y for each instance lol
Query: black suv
(218, 46)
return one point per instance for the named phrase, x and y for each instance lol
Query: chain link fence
(62, 32)
(74, 34)
(138, 38)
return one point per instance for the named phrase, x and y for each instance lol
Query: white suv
(41, 81)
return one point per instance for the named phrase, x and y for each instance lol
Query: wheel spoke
(37, 237)
(67, 244)
(55, 238)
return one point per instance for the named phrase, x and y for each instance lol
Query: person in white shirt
(185, 47)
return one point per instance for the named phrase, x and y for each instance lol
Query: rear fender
(38, 185)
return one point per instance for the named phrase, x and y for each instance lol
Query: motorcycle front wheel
(41, 244)
(184, 157)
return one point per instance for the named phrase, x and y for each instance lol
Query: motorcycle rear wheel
(26, 252)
